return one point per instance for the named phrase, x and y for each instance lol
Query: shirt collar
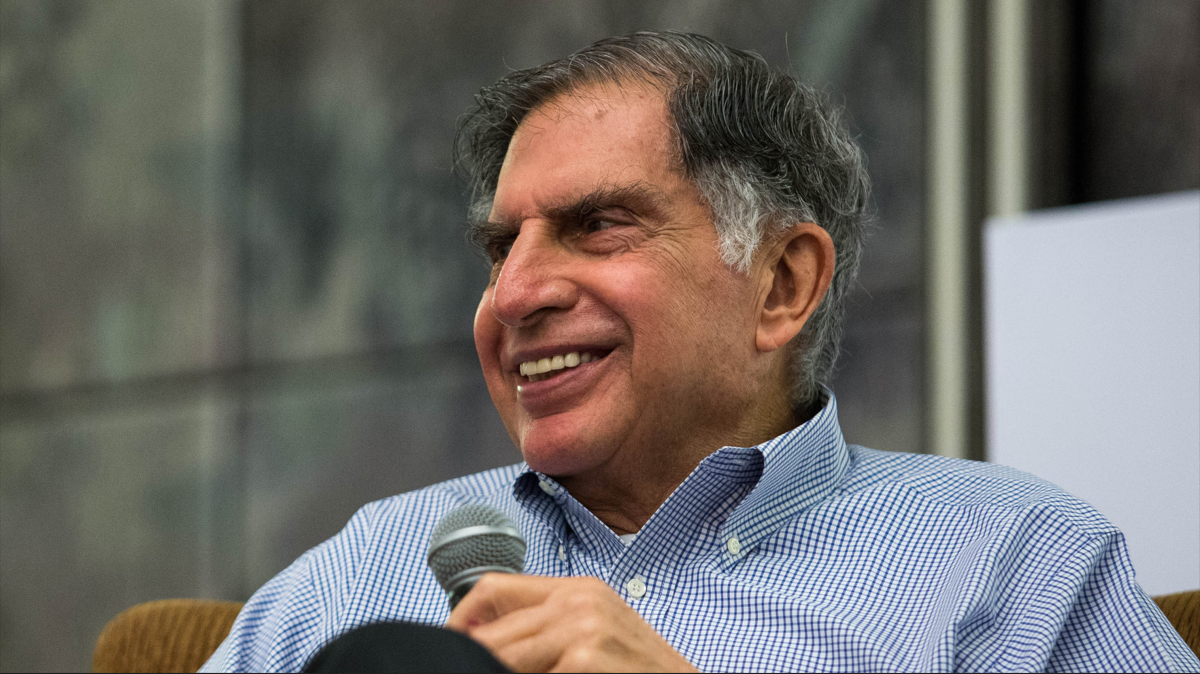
(800, 468)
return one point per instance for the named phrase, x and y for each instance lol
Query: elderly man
(673, 229)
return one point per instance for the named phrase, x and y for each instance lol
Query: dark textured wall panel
(236, 300)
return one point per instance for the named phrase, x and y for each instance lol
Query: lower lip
(556, 394)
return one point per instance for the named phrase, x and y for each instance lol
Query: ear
(795, 277)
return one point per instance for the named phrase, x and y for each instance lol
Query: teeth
(535, 369)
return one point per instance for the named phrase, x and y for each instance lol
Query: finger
(498, 594)
(514, 626)
(574, 622)
(539, 651)
(525, 640)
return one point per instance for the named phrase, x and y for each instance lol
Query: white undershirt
(627, 539)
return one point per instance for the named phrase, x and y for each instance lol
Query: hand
(544, 624)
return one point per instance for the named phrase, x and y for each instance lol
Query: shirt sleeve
(287, 620)
(1112, 625)
(1061, 596)
(1065, 599)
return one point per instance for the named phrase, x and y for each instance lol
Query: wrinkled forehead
(605, 134)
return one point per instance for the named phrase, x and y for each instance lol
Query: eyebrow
(640, 198)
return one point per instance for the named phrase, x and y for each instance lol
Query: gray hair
(765, 150)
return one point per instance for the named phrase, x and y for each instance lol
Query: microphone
(470, 541)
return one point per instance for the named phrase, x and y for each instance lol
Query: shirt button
(734, 546)
(547, 487)
(636, 588)
(562, 554)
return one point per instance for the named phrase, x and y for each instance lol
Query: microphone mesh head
(486, 549)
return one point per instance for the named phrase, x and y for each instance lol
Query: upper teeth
(532, 367)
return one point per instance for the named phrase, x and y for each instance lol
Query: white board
(1092, 332)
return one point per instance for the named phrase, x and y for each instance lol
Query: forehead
(599, 136)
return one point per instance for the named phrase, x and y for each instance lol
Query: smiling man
(673, 228)
(648, 351)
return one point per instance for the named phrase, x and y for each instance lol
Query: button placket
(630, 573)
(734, 546)
(636, 587)
(731, 549)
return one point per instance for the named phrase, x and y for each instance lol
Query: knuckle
(583, 602)
(590, 624)
(486, 587)
(581, 658)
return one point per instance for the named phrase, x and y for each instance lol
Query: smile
(544, 368)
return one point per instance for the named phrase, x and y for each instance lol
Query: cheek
(692, 307)
(661, 315)
(487, 336)
(692, 330)
(488, 333)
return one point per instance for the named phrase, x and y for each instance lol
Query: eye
(499, 248)
(599, 224)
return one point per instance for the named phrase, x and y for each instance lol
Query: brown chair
(178, 635)
(1183, 610)
(171, 635)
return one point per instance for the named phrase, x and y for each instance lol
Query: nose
(532, 281)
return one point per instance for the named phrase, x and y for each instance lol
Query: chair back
(179, 635)
(170, 635)
(1183, 610)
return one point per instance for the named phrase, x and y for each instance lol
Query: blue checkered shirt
(800, 554)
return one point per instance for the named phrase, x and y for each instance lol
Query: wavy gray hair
(765, 150)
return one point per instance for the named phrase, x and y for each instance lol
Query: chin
(559, 451)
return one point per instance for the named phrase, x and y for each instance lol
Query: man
(673, 229)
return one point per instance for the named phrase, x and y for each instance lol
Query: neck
(627, 489)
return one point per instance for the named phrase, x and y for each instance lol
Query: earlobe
(796, 277)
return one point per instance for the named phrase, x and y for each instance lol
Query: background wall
(1093, 360)
(235, 301)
